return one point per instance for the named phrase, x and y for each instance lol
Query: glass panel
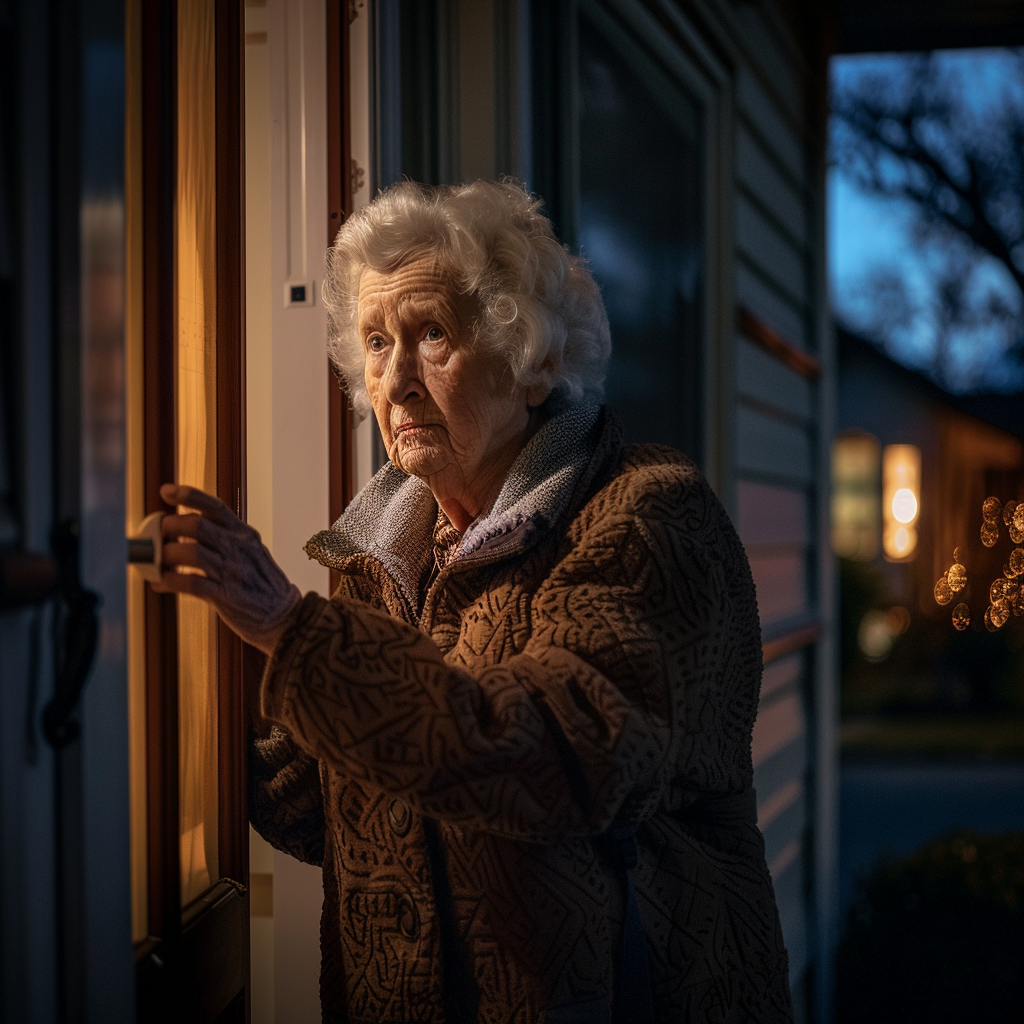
(641, 228)
(196, 434)
(856, 498)
(134, 468)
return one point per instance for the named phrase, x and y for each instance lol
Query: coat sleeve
(285, 802)
(586, 723)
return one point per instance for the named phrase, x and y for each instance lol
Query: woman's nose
(403, 379)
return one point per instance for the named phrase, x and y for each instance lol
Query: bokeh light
(961, 616)
(1016, 562)
(904, 505)
(999, 612)
(956, 577)
(901, 502)
(873, 636)
(991, 508)
(897, 620)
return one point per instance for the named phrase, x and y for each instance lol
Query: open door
(186, 423)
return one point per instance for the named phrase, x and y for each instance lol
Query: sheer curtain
(196, 434)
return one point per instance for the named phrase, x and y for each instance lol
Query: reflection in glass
(134, 467)
(641, 228)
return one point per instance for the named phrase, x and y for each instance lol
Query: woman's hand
(237, 574)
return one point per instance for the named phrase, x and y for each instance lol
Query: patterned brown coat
(452, 740)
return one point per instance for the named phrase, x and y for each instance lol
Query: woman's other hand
(236, 573)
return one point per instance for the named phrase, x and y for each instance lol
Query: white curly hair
(539, 308)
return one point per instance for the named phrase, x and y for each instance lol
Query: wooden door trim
(159, 164)
(339, 207)
(233, 831)
(217, 969)
(171, 975)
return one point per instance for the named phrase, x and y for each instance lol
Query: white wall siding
(762, 378)
(779, 440)
(778, 311)
(769, 446)
(762, 177)
(765, 118)
(770, 251)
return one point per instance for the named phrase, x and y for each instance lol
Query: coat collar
(393, 517)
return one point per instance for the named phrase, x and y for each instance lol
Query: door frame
(195, 959)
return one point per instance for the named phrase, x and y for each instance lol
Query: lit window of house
(901, 500)
(856, 512)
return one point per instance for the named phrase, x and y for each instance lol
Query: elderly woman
(517, 738)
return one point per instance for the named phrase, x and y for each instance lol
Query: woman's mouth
(412, 429)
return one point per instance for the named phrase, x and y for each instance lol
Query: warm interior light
(856, 464)
(904, 540)
(904, 505)
(901, 502)
(879, 630)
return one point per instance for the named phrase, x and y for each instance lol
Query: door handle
(145, 548)
(78, 627)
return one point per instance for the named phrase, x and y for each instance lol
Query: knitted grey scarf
(393, 516)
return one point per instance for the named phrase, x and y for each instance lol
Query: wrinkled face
(449, 413)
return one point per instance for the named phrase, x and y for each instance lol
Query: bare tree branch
(915, 135)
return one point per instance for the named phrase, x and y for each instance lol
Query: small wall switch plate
(298, 293)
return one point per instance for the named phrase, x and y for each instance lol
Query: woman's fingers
(236, 573)
(193, 497)
(187, 525)
(192, 556)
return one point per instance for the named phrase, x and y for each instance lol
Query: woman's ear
(537, 393)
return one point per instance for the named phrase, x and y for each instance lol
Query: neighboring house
(972, 447)
(173, 172)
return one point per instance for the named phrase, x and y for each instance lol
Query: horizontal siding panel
(779, 312)
(774, 254)
(771, 515)
(762, 178)
(778, 66)
(779, 724)
(764, 116)
(782, 675)
(782, 767)
(789, 894)
(764, 445)
(777, 803)
(786, 828)
(780, 579)
(782, 860)
(761, 376)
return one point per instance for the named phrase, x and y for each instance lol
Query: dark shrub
(938, 936)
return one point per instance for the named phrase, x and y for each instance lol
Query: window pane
(196, 434)
(641, 227)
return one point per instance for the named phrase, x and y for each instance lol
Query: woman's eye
(434, 334)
